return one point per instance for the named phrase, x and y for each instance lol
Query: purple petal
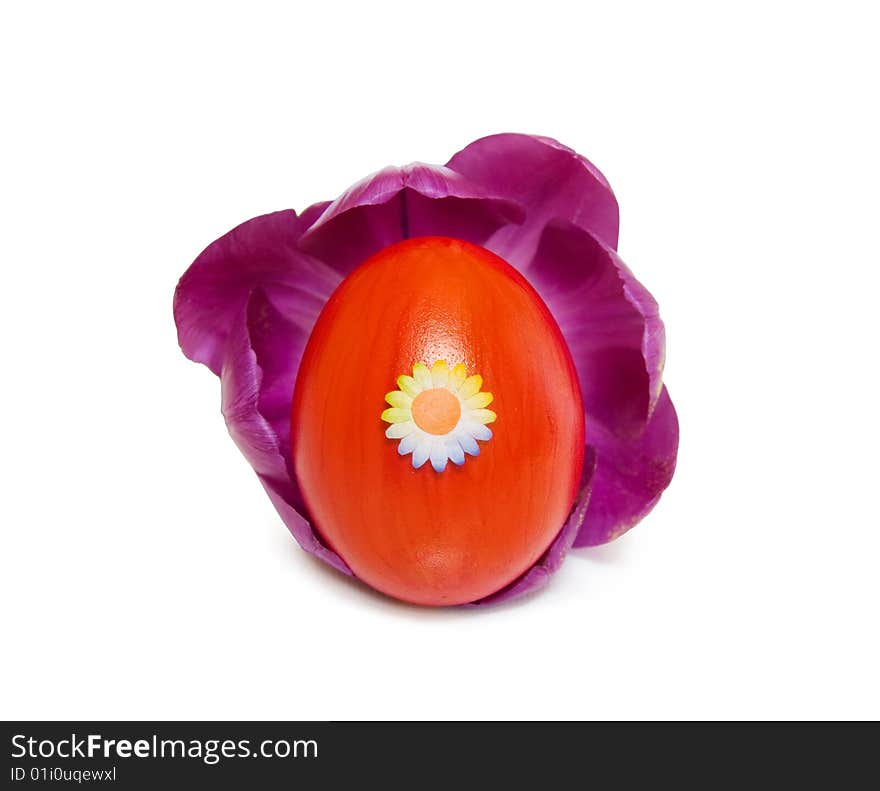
(400, 203)
(613, 329)
(302, 530)
(260, 252)
(263, 353)
(610, 322)
(240, 380)
(245, 308)
(548, 564)
(631, 474)
(549, 180)
(278, 339)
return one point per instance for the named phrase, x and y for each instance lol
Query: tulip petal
(245, 309)
(302, 530)
(631, 474)
(262, 354)
(548, 180)
(260, 252)
(610, 322)
(613, 329)
(399, 203)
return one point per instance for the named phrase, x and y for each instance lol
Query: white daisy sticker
(439, 414)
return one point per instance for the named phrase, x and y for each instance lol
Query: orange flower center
(436, 411)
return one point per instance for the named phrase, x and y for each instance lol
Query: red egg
(437, 428)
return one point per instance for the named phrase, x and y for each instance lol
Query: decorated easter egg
(437, 428)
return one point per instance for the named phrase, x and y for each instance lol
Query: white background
(144, 572)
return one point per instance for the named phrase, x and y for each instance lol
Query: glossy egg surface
(443, 487)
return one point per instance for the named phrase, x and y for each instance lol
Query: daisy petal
(455, 452)
(468, 443)
(408, 385)
(482, 415)
(397, 415)
(422, 376)
(456, 377)
(400, 399)
(440, 373)
(421, 452)
(470, 387)
(476, 402)
(408, 443)
(438, 455)
(398, 430)
(479, 431)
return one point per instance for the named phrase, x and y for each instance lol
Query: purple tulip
(247, 304)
